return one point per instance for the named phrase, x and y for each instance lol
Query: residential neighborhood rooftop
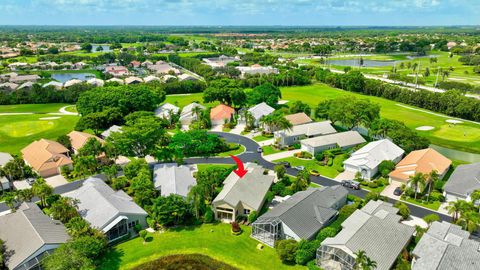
(298, 118)
(170, 178)
(464, 180)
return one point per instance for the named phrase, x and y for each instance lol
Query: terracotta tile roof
(78, 139)
(221, 112)
(424, 161)
(298, 119)
(45, 154)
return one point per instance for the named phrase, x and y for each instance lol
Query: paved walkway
(64, 111)
(238, 129)
(280, 155)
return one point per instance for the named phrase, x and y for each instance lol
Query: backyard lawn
(463, 137)
(214, 240)
(312, 164)
(17, 131)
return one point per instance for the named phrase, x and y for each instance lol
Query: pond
(106, 48)
(356, 63)
(63, 77)
(455, 154)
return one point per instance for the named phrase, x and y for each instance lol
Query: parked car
(314, 172)
(300, 168)
(30, 181)
(259, 149)
(398, 191)
(351, 184)
(286, 164)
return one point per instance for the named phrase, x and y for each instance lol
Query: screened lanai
(332, 258)
(267, 230)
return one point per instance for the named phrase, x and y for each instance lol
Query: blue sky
(240, 12)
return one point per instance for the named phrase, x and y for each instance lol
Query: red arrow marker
(240, 171)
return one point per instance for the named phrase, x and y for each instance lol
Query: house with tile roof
(463, 182)
(342, 140)
(112, 212)
(78, 139)
(169, 178)
(301, 216)
(46, 157)
(375, 229)
(221, 114)
(446, 246)
(420, 161)
(367, 159)
(29, 235)
(294, 135)
(298, 119)
(241, 196)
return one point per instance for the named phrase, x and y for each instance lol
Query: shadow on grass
(111, 260)
(149, 239)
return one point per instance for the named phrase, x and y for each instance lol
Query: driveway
(238, 129)
(280, 155)
(388, 191)
(56, 181)
(345, 176)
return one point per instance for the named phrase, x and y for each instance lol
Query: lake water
(63, 77)
(458, 155)
(106, 48)
(356, 62)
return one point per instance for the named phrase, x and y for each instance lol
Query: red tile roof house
(116, 71)
(135, 64)
(46, 157)
(220, 114)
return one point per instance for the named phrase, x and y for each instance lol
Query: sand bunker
(49, 118)
(453, 121)
(425, 128)
(281, 102)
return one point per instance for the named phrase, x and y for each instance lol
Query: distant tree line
(39, 95)
(451, 102)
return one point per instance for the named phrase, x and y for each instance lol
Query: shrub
(347, 210)
(209, 216)
(306, 251)
(286, 250)
(429, 219)
(436, 196)
(297, 146)
(312, 265)
(303, 154)
(319, 156)
(372, 184)
(403, 210)
(236, 230)
(137, 228)
(252, 217)
(325, 233)
(385, 167)
(143, 234)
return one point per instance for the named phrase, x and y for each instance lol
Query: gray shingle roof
(376, 230)
(464, 180)
(306, 212)
(261, 109)
(310, 129)
(173, 179)
(342, 139)
(446, 246)
(27, 230)
(250, 189)
(100, 204)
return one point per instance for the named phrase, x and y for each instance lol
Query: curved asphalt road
(251, 155)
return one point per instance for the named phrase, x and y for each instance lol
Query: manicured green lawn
(312, 164)
(203, 167)
(32, 108)
(377, 189)
(431, 205)
(183, 100)
(17, 131)
(214, 240)
(261, 138)
(238, 151)
(268, 150)
(463, 137)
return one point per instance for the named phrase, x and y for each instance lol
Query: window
(246, 211)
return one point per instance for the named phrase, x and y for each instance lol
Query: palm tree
(196, 199)
(469, 221)
(196, 112)
(475, 196)
(455, 208)
(363, 262)
(42, 190)
(433, 177)
(418, 181)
